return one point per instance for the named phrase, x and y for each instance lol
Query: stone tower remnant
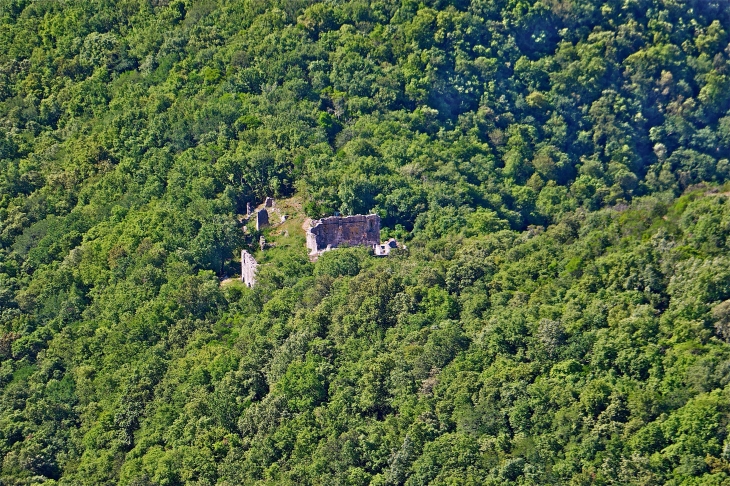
(328, 233)
(262, 219)
(248, 268)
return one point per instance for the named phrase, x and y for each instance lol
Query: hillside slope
(557, 170)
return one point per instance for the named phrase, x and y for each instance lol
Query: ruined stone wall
(262, 219)
(349, 230)
(248, 268)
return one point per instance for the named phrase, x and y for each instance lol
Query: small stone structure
(262, 219)
(383, 249)
(328, 233)
(248, 268)
(249, 209)
(269, 202)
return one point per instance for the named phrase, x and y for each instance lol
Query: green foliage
(345, 261)
(561, 314)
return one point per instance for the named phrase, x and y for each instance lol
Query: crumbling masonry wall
(262, 219)
(248, 268)
(335, 231)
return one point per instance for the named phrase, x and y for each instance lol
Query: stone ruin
(248, 268)
(328, 233)
(383, 249)
(248, 262)
(262, 219)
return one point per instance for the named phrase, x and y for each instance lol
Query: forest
(558, 170)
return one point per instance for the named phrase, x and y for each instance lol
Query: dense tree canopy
(558, 170)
